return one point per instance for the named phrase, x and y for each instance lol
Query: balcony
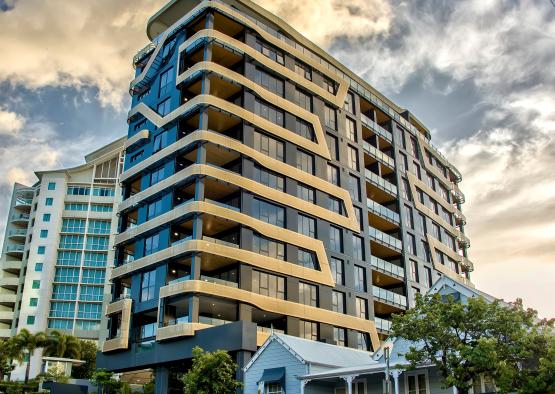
(9, 283)
(5, 332)
(15, 250)
(212, 321)
(380, 182)
(23, 202)
(219, 281)
(379, 155)
(8, 299)
(12, 266)
(457, 194)
(20, 218)
(6, 317)
(385, 239)
(17, 234)
(387, 267)
(376, 128)
(389, 297)
(383, 325)
(382, 211)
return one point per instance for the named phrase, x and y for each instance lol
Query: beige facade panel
(122, 342)
(275, 305)
(322, 276)
(179, 330)
(141, 135)
(436, 244)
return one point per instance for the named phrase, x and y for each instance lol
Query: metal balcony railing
(382, 211)
(385, 239)
(389, 297)
(379, 155)
(381, 183)
(387, 267)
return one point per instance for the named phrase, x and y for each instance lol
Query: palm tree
(26, 344)
(59, 344)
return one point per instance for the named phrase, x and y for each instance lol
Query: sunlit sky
(479, 73)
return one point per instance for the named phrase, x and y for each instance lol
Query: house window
(43, 233)
(309, 330)
(41, 250)
(148, 281)
(160, 141)
(30, 319)
(306, 258)
(268, 212)
(49, 201)
(363, 342)
(338, 301)
(417, 383)
(33, 301)
(274, 388)
(483, 384)
(46, 217)
(307, 226)
(335, 205)
(269, 146)
(361, 308)
(339, 336)
(38, 267)
(358, 247)
(354, 190)
(308, 294)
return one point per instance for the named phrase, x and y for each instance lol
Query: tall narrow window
(305, 162)
(338, 301)
(330, 117)
(352, 158)
(303, 99)
(333, 174)
(307, 226)
(358, 247)
(332, 146)
(336, 239)
(268, 112)
(306, 193)
(360, 278)
(269, 146)
(351, 129)
(336, 266)
(268, 212)
(148, 283)
(166, 79)
(308, 294)
(361, 308)
(414, 271)
(164, 107)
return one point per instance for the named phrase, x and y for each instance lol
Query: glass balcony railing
(380, 182)
(180, 241)
(387, 267)
(379, 155)
(178, 320)
(213, 321)
(219, 241)
(269, 330)
(19, 232)
(219, 281)
(385, 239)
(15, 248)
(389, 297)
(382, 324)
(376, 128)
(222, 204)
(179, 280)
(20, 216)
(382, 211)
(23, 202)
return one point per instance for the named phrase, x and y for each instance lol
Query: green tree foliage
(504, 341)
(8, 352)
(88, 350)
(105, 382)
(25, 345)
(59, 344)
(211, 373)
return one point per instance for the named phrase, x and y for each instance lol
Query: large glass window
(306, 193)
(160, 141)
(73, 226)
(154, 209)
(339, 336)
(62, 309)
(148, 283)
(354, 189)
(93, 276)
(152, 244)
(333, 174)
(166, 79)
(269, 82)
(305, 161)
(417, 383)
(361, 308)
(97, 243)
(157, 175)
(363, 341)
(358, 247)
(268, 284)
(330, 117)
(352, 158)
(71, 241)
(308, 330)
(89, 311)
(304, 129)
(308, 294)
(164, 107)
(336, 239)
(268, 212)
(307, 226)
(269, 51)
(268, 247)
(306, 258)
(303, 70)
(69, 257)
(91, 293)
(360, 278)
(64, 292)
(269, 178)
(349, 103)
(337, 271)
(268, 112)
(338, 301)
(303, 99)
(269, 146)
(66, 275)
(99, 227)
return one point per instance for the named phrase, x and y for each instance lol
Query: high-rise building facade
(58, 250)
(267, 187)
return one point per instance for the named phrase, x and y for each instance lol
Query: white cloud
(61, 43)
(10, 122)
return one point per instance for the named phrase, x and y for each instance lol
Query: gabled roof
(312, 352)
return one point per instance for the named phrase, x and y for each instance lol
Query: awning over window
(273, 375)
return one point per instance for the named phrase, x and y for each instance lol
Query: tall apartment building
(58, 249)
(267, 187)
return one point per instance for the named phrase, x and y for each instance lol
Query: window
(414, 271)
(91, 293)
(60, 324)
(305, 162)
(157, 175)
(308, 294)
(103, 192)
(73, 226)
(152, 244)
(338, 301)
(78, 191)
(65, 292)
(427, 252)
(335, 205)
(303, 99)
(164, 107)
(96, 243)
(89, 311)
(62, 309)
(329, 85)
(351, 129)
(363, 342)
(306, 258)
(411, 244)
(268, 212)
(306, 226)
(87, 325)
(304, 129)
(303, 70)
(358, 247)
(269, 146)
(69, 257)
(46, 217)
(404, 164)
(339, 336)
(268, 247)
(360, 278)
(38, 267)
(160, 141)
(268, 112)
(99, 227)
(75, 206)
(483, 384)
(136, 156)
(436, 232)
(33, 301)
(93, 276)
(43, 233)
(30, 319)
(94, 259)
(337, 271)
(417, 170)
(330, 117)
(148, 280)
(331, 141)
(405, 190)
(336, 239)
(306, 193)
(408, 216)
(268, 284)
(66, 275)
(274, 388)
(49, 201)
(308, 330)
(358, 215)
(269, 82)
(428, 277)
(101, 208)
(51, 185)
(352, 158)
(166, 79)
(41, 250)
(422, 220)
(413, 147)
(354, 189)
(269, 51)
(36, 284)
(333, 174)
(349, 104)
(168, 46)
(361, 308)
(154, 209)
(417, 383)
(269, 178)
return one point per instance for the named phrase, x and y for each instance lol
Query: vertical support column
(349, 383)
(396, 374)
(303, 383)
(162, 378)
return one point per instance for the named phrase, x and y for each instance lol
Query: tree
(88, 354)
(465, 341)
(105, 382)
(7, 354)
(59, 344)
(26, 344)
(211, 373)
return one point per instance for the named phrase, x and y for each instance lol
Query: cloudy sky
(479, 73)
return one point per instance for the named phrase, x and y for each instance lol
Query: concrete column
(162, 378)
